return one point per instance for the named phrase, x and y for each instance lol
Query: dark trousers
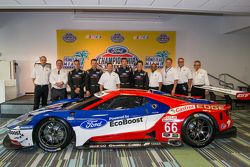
(41, 92)
(80, 95)
(58, 94)
(182, 89)
(167, 88)
(155, 88)
(198, 92)
(94, 89)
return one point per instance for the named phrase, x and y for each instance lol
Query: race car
(122, 118)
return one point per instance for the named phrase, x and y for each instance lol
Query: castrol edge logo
(181, 109)
(243, 96)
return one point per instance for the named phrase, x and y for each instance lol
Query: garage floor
(222, 152)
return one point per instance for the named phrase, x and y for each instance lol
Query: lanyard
(166, 71)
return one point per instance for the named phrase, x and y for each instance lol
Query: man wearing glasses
(200, 78)
(184, 78)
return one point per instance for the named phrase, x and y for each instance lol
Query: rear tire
(198, 130)
(53, 134)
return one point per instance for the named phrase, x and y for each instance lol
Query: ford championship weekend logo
(69, 37)
(93, 124)
(114, 54)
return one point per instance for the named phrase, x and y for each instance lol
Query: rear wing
(240, 95)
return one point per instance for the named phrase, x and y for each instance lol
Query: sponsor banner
(125, 145)
(112, 46)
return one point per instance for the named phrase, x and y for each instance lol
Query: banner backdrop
(111, 46)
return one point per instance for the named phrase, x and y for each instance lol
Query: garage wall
(26, 36)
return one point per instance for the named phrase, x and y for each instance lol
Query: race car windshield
(83, 104)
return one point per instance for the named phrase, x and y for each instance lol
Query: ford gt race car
(122, 118)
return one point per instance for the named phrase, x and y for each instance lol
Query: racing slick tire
(53, 134)
(198, 130)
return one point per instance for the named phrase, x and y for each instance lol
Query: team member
(40, 77)
(184, 78)
(76, 81)
(169, 77)
(58, 79)
(155, 78)
(92, 78)
(200, 78)
(141, 80)
(109, 80)
(125, 74)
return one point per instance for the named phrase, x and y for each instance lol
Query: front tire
(198, 130)
(53, 134)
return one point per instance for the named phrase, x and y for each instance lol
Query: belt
(168, 85)
(182, 83)
(198, 85)
(41, 85)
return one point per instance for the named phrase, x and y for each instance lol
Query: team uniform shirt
(41, 75)
(200, 77)
(184, 74)
(141, 80)
(58, 76)
(109, 80)
(126, 76)
(76, 79)
(169, 75)
(92, 78)
(154, 79)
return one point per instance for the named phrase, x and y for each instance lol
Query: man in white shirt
(169, 78)
(200, 78)
(155, 78)
(109, 80)
(184, 78)
(40, 78)
(58, 79)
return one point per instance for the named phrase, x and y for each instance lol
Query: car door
(124, 113)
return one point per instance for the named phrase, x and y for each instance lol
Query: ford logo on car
(93, 124)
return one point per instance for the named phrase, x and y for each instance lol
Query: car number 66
(171, 127)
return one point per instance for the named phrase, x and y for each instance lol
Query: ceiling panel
(85, 2)
(112, 2)
(240, 3)
(187, 4)
(8, 2)
(31, 2)
(215, 4)
(237, 8)
(58, 2)
(139, 2)
(165, 3)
